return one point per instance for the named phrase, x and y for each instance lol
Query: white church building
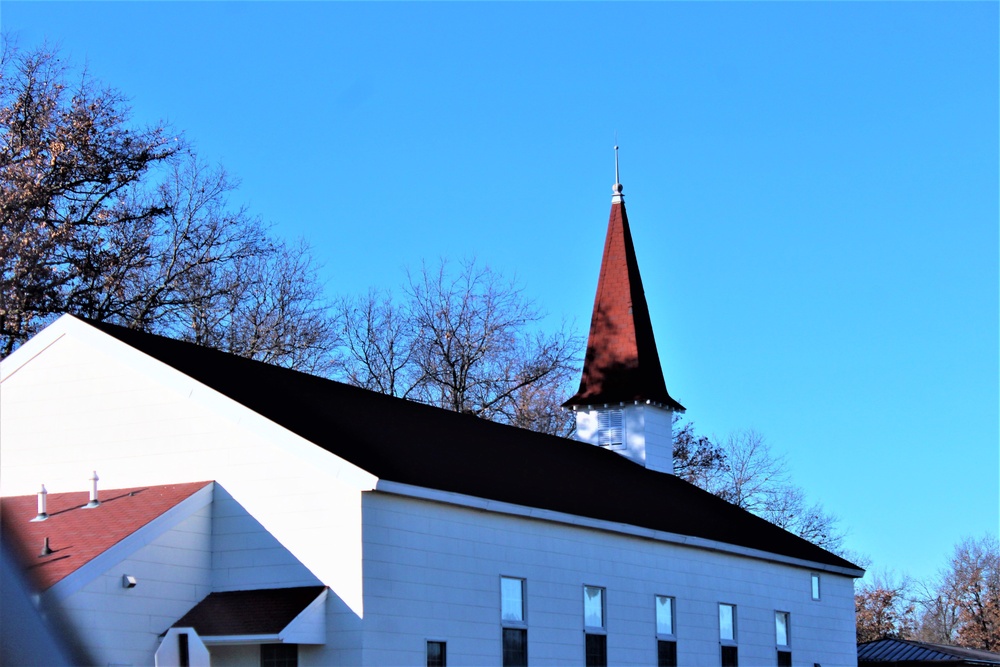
(245, 514)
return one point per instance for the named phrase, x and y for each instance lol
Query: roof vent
(46, 549)
(94, 502)
(42, 513)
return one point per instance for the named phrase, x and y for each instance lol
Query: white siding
(174, 571)
(648, 436)
(433, 571)
(245, 555)
(84, 402)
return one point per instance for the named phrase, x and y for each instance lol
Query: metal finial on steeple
(616, 189)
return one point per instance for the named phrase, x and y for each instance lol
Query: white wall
(174, 571)
(647, 434)
(75, 400)
(432, 572)
(245, 555)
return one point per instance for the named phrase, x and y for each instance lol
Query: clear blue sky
(813, 191)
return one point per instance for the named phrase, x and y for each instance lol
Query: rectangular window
(437, 654)
(781, 628)
(511, 600)
(593, 607)
(784, 659)
(597, 650)
(727, 622)
(609, 428)
(666, 654)
(664, 615)
(279, 655)
(815, 587)
(515, 647)
(730, 657)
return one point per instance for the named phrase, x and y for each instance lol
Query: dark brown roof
(886, 652)
(77, 535)
(417, 444)
(622, 365)
(257, 612)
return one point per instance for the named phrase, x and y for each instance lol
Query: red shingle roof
(622, 365)
(77, 535)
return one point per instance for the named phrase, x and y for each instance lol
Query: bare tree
(377, 344)
(463, 340)
(743, 470)
(696, 457)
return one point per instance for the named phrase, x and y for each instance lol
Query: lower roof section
(265, 614)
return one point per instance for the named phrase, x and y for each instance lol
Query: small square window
(730, 657)
(664, 615)
(593, 607)
(781, 628)
(279, 655)
(784, 659)
(666, 654)
(815, 587)
(511, 600)
(515, 647)
(437, 654)
(597, 650)
(727, 622)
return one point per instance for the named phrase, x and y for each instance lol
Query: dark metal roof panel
(901, 651)
(412, 443)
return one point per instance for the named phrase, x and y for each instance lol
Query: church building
(177, 505)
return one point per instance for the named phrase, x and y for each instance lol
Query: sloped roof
(903, 651)
(411, 443)
(257, 612)
(77, 535)
(622, 364)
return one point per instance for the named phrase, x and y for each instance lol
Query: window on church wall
(610, 431)
(727, 635)
(593, 607)
(727, 622)
(279, 655)
(815, 586)
(514, 631)
(666, 642)
(511, 600)
(594, 627)
(782, 628)
(437, 654)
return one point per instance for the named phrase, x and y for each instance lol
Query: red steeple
(622, 365)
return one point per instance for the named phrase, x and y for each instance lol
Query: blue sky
(812, 187)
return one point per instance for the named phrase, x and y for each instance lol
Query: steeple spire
(623, 404)
(622, 364)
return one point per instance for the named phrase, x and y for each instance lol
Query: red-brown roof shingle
(622, 365)
(77, 535)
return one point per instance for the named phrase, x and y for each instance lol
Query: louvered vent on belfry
(609, 428)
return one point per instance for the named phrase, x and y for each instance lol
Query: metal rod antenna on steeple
(616, 189)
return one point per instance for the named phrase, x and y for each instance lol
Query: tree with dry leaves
(884, 608)
(71, 168)
(126, 225)
(462, 338)
(963, 606)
